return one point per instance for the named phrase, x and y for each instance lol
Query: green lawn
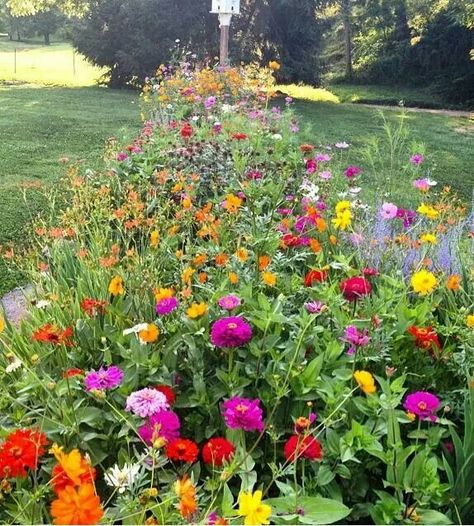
(40, 124)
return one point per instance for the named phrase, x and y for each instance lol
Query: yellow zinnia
(150, 334)
(163, 293)
(428, 211)
(251, 507)
(423, 282)
(196, 310)
(428, 238)
(470, 321)
(116, 286)
(365, 381)
(269, 279)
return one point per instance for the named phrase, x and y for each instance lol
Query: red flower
(182, 449)
(239, 136)
(217, 450)
(425, 337)
(355, 288)
(21, 449)
(168, 392)
(92, 307)
(50, 334)
(297, 447)
(73, 371)
(60, 480)
(369, 271)
(315, 276)
(186, 130)
(290, 240)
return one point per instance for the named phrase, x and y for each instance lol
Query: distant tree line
(414, 42)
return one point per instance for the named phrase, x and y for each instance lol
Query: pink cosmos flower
(146, 402)
(243, 413)
(314, 307)
(424, 184)
(230, 332)
(209, 102)
(417, 159)
(164, 424)
(326, 175)
(121, 156)
(311, 166)
(355, 338)
(229, 302)
(323, 157)
(388, 211)
(422, 404)
(104, 378)
(166, 306)
(351, 171)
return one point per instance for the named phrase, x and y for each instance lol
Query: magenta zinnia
(104, 378)
(163, 425)
(242, 413)
(230, 332)
(422, 404)
(166, 306)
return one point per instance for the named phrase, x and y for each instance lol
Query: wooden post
(224, 47)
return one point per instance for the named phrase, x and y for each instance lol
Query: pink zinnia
(166, 306)
(242, 413)
(352, 171)
(422, 404)
(355, 338)
(354, 288)
(104, 378)
(229, 302)
(230, 332)
(146, 402)
(164, 424)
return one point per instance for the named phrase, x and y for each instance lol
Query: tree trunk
(46, 39)
(346, 20)
(402, 29)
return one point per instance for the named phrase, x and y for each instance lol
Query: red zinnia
(182, 449)
(355, 288)
(92, 307)
(73, 371)
(168, 392)
(186, 130)
(21, 449)
(217, 450)
(50, 334)
(425, 337)
(290, 240)
(297, 447)
(239, 136)
(315, 276)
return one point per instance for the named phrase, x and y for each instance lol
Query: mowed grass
(40, 123)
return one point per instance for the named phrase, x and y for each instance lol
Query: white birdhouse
(227, 7)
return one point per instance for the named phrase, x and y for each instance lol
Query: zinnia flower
(315, 307)
(160, 428)
(104, 378)
(365, 381)
(422, 404)
(242, 413)
(20, 451)
(217, 450)
(423, 282)
(229, 302)
(51, 334)
(183, 450)
(315, 276)
(93, 307)
(230, 332)
(149, 334)
(146, 402)
(252, 508)
(417, 159)
(355, 338)
(77, 506)
(196, 310)
(298, 446)
(425, 337)
(355, 288)
(168, 392)
(166, 306)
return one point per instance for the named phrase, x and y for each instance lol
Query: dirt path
(446, 113)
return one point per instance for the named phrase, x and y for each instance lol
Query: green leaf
(433, 517)
(325, 475)
(317, 510)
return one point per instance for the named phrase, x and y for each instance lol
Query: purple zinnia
(104, 378)
(166, 305)
(417, 159)
(408, 216)
(146, 402)
(355, 338)
(242, 413)
(229, 302)
(422, 404)
(164, 424)
(230, 332)
(352, 171)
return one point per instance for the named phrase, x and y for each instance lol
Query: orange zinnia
(186, 493)
(454, 282)
(77, 506)
(263, 262)
(221, 259)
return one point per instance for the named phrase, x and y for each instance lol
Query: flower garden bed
(225, 331)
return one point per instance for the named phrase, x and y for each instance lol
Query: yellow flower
(428, 238)
(2, 324)
(196, 310)
(470, 321)
(150, 334)
(242, 254)
(274, 65)
(154, 238)
(116, 286)
(428, 211)
(366, 381)
(411, 416)
(187, 274)
(269, 279)
(233, 278)
(342, 219)
(342, 206)
(251, 507)
(161, 294)
(423, 282)
(232, 203)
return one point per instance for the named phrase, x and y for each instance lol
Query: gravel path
(15, 303)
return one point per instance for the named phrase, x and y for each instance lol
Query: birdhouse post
(225, 9)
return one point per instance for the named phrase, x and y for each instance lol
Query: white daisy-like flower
(135, 329)
(42, 304)
(122, 478)
(342, 145)
(13, 366)
(277, 137)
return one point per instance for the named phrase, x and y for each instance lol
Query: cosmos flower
(20, 451)
(252, 508)
(121, 478)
